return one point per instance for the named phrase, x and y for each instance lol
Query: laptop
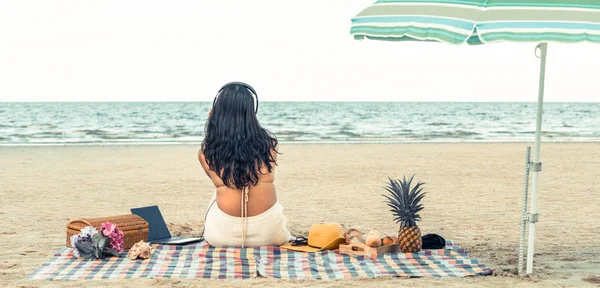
(157, 228)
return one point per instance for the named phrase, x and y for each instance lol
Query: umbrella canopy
(485, 21)
(480, 21)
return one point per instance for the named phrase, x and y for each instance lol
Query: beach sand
(474, 198)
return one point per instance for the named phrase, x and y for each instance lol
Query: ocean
(298, 122)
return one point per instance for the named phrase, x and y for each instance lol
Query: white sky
(300, 51)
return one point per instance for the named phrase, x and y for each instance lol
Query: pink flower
(108, 228)
(115, 234)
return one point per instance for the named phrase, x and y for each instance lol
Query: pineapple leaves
(405, 200)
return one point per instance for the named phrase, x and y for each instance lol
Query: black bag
(433, 241)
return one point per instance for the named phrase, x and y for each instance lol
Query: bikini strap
(244, 214)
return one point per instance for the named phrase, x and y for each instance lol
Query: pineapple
(405, 205)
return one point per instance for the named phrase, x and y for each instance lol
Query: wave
(292, 133)
(47, 134)
(93, 132)
(324, 140)
(439, 124)
(453, 134)
(348, 133)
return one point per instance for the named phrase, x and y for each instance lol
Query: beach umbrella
(477, 22)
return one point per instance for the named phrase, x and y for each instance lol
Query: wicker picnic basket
(134, 228)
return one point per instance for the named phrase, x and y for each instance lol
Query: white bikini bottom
(266, 229)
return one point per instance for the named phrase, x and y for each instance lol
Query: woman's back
(261, 196)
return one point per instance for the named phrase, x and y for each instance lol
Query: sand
(474, 197)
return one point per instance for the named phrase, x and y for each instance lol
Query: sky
(130, 50)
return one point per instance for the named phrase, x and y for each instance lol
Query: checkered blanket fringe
(202, 261)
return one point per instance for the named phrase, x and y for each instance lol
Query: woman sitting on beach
(240, 156)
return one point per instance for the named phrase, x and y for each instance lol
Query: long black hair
(235, 146)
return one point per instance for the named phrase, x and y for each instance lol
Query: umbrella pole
(524, 211)
(536, 166)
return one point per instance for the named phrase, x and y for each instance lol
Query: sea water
(298, 122)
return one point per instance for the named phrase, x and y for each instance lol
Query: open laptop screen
(157, 228)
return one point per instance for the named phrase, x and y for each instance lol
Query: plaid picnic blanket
(202, 261)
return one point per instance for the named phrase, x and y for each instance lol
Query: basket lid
(124, 222)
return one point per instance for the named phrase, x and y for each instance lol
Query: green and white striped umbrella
(486, 21)
(480, 21)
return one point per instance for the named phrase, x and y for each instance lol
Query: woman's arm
(203, 163)
(211, 174)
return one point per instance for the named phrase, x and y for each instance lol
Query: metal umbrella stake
(486, 21)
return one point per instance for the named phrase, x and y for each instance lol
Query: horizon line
(296, 101)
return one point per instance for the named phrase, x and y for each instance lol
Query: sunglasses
(300, 241)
